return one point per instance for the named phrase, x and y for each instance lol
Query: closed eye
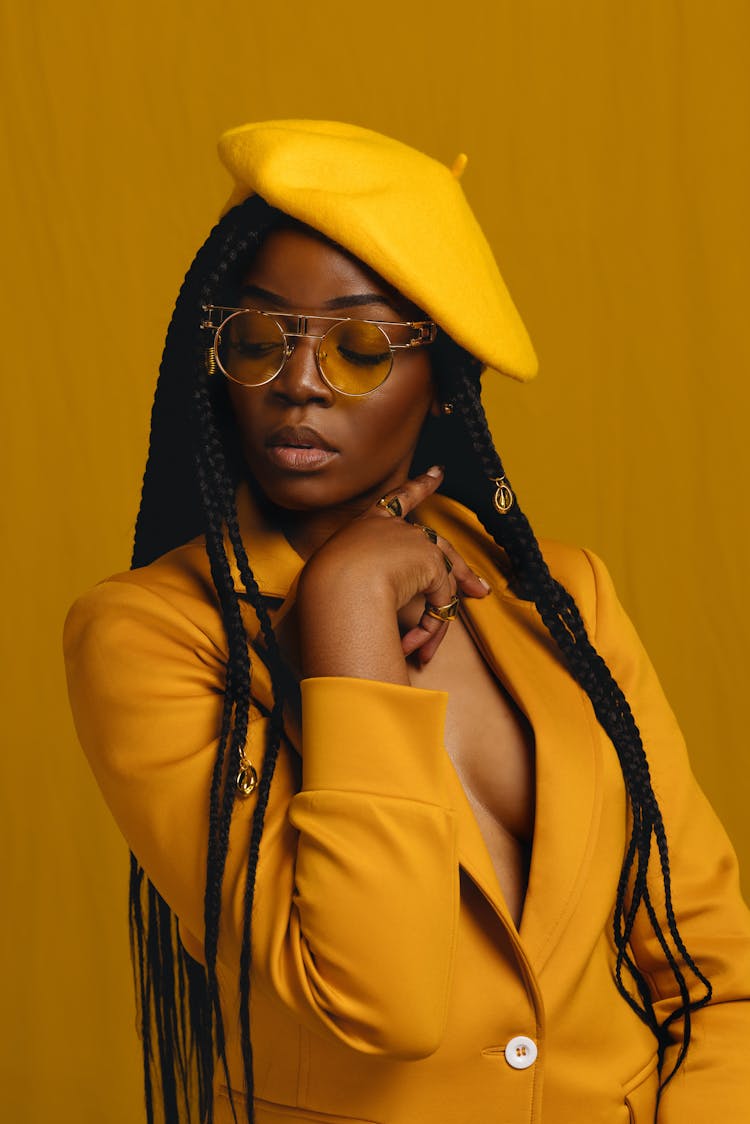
(361, 359)
(253, 350)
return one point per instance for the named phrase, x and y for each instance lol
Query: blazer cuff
(361, 735)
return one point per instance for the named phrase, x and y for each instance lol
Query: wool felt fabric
(399, 211)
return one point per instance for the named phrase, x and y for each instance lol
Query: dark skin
(371, 571)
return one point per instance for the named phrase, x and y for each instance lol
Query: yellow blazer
(390, 984)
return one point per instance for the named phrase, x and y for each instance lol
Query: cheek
(245, 411)
(395, 424)
(385, 434)
(399, 407)
(413, 398)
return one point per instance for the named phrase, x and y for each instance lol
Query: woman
(295, 726)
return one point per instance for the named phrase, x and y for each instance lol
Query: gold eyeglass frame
(299, 329)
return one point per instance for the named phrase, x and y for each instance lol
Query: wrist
(348, 625)
(343, 587)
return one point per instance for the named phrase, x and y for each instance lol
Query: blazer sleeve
(714, 1081)
(356, 907)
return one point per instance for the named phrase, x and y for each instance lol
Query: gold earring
(503, 498)
(447, 407)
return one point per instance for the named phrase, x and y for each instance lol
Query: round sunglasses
(354, 357)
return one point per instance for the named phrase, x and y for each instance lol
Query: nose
(299, 380)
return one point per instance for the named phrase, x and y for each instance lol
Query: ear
(435, 406)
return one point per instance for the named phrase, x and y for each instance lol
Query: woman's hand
(362, 596)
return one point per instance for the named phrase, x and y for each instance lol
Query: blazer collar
(274, 562)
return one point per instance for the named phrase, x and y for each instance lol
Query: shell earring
(503, 498)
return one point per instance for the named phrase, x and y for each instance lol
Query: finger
(428, 649)
(427, 630)
(423, 641)
(412, 492)
(428, 635)
(468, 581)
(440, 591)
(414, 639)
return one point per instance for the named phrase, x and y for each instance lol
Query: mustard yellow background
(610, 166)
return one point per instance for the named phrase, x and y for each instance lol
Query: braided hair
(193, 469)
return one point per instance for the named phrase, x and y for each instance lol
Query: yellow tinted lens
(250, 348)
(355, 357)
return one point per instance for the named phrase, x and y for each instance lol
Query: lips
(298, 437)
(298, 448)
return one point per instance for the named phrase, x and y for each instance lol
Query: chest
(491, 745)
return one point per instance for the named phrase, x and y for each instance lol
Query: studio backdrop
(609, 163)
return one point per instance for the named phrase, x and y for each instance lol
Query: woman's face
(308, 447)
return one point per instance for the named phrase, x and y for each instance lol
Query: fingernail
(435, 471)
(486, 584)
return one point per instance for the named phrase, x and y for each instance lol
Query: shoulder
(173, 598)
(584, 575)
(181, 575)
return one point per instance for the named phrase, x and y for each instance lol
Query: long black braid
(193, 470)
(458, 377)
(190, 458)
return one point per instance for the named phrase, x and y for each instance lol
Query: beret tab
(401, 212)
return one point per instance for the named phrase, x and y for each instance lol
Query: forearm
(367, 952)
(348, 629)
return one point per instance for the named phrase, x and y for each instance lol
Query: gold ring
(392, 506)
(428, 531)
(445, 613)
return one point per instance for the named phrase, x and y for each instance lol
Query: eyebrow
(350, 301)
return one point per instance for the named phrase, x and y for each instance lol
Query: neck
(307, 531)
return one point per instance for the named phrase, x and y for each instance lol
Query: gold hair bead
(247, 777)
(503, 498)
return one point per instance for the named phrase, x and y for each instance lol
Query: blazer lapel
(568, 762)
(567, 766)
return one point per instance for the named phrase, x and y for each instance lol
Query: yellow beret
(400, 212)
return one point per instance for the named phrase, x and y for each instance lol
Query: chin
(306, 493)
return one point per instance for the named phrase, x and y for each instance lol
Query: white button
(521, 1052)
